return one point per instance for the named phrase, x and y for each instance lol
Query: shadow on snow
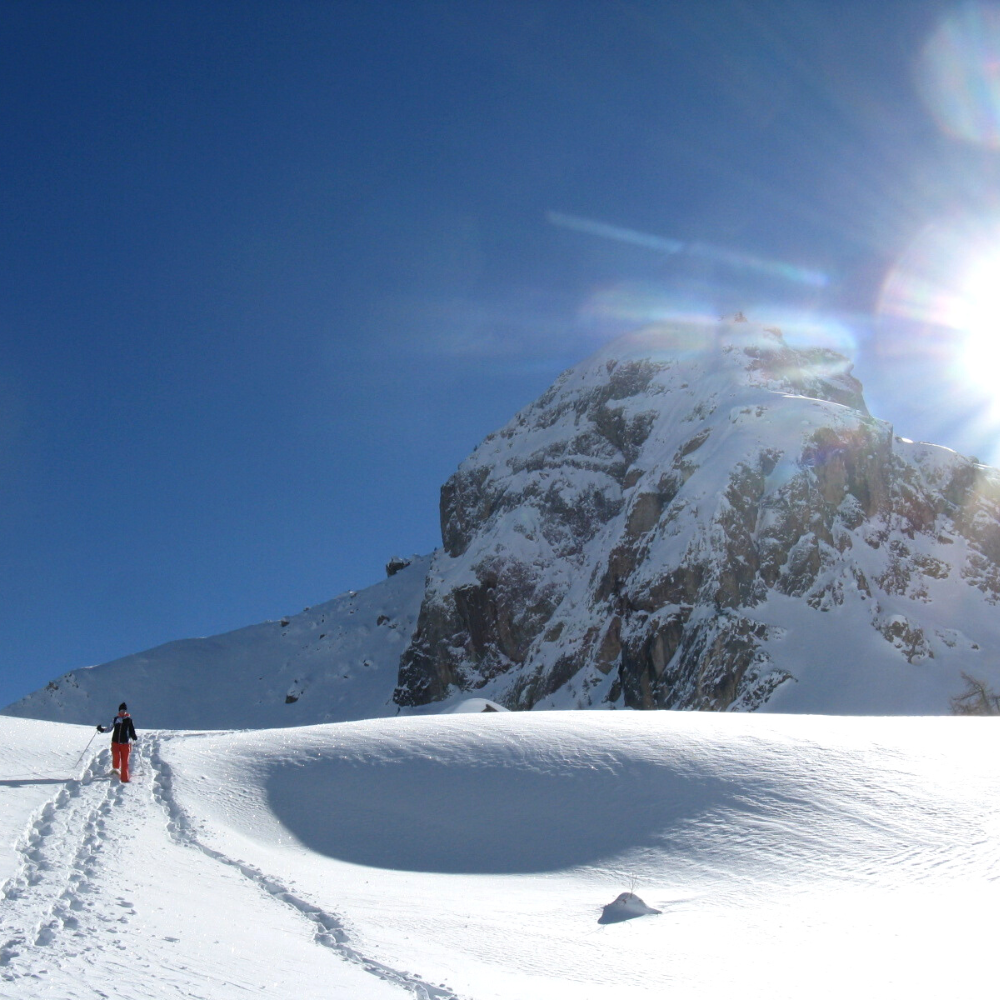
(424, 815)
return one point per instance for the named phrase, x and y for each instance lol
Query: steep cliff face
(705, 518)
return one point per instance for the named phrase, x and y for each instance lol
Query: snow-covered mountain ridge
(705, 518)
(333, 662)
(697, 517)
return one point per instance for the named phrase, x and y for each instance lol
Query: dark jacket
(122, 729)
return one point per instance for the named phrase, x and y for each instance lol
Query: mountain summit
(703, 517)
(697, 517)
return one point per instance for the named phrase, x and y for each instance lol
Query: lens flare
(947, 288)
(958, 74)
(628, 306)
(939, 308)
(813, 328)
(735, 260)
(979, 317)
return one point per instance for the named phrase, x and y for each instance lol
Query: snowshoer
(122, 730)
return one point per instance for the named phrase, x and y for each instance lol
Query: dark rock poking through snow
(664, 525)
(395, 564)
(626, 907)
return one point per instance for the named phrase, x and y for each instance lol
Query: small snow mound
(625, 907)
(474, 705)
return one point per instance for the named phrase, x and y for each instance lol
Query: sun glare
(980, 324)
(939, 308)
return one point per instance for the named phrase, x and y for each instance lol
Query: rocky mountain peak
(648, 531)
(697, 517)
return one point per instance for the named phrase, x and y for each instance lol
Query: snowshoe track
(57, 905)
(52, 897)
(328, 928)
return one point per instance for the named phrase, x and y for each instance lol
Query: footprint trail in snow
(86, 904)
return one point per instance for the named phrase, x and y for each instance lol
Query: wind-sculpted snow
(491, 848)
(510, 797)
(630, 539)
(483, 809)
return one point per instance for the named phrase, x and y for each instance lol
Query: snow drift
(474, 856)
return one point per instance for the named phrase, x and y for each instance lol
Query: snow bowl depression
(729, 799)
(492, 798)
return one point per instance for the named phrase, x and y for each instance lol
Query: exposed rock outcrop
(649, 531)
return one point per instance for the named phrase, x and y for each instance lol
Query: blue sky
(270, 271)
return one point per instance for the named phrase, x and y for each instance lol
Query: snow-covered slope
(702, 517)
(473, 855)
(333, 662)
(697, 517)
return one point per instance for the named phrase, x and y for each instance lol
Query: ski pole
(85, 749)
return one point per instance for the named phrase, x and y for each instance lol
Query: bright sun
(947, 288)
(978, 319)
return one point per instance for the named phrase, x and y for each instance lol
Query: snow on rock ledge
(628, 538)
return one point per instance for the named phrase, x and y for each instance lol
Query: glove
(100, 729)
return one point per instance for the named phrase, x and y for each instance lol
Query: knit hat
(123, 707)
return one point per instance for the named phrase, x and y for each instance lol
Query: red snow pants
(119, 758)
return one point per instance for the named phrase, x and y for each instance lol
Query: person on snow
(122, 730)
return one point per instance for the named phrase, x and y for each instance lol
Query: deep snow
(790, 856)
